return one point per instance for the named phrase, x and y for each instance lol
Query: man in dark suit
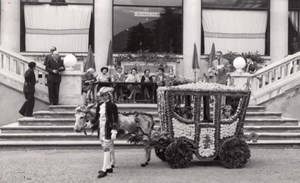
(29, 89)
(50, 56)
(54, 66)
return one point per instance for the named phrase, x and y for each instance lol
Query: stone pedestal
(240, 79)
(70, 88)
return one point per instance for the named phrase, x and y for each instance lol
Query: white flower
(228, 130)
(207, 142)
(183, 130)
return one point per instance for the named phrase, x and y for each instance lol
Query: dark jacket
(144, 78)
(112, 118)
(51, 65)
(29, 84)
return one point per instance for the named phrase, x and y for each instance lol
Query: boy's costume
(107, 116)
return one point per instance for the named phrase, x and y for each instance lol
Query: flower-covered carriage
(205, 119)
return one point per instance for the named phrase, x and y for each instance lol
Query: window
(40, 29)
(152, 28)
(294, 28)
(236, 25)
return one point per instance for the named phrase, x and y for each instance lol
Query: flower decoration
(207, 142)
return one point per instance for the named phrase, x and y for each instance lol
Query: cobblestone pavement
(265, 166)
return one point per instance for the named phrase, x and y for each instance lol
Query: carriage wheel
(178, 154)
(160, 153)
(234, 153)
(161, 148)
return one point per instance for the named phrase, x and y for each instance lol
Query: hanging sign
(146, 14)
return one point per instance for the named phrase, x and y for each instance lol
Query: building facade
(269, 27)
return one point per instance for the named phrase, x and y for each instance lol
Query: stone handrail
(17, 64)
(276, 72)
(12, 69)
(272, 81)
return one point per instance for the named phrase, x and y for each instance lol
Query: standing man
(220, 68)
(107, 114)
(54, 66)
(49, 56)
(29, 89)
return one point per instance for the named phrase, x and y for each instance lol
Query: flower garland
(206, 137)
(207, 142)
(157, 58)
(228, 130)
(183, 130)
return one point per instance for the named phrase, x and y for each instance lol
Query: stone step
(277, 136)
(274, 129)
(270, 122)
(278, 144)
(122, 107)
(61, 144)
(263, 115)
(70, 114)
(28, 121)
(48, 137)
(66, 126)
(139, 107)
(15, 128)
(124, 144)
(31, 121)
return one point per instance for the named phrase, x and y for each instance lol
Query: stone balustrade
(272, 80)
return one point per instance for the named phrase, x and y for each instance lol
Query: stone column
(278, 29)
(10, 25)
(70, 88)
(103, 30)
(191, 35)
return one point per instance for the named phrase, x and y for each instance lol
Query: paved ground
(266, 165)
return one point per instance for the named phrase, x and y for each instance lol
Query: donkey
(137, 124)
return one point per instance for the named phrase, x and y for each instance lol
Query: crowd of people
(127, 86)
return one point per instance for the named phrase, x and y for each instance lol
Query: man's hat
(104, 90)
(103, 69)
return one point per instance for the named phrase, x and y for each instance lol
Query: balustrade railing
(17, 65)
(276, 72)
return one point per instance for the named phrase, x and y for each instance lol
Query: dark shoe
(109, 170)
(144, 164)
(101, 174)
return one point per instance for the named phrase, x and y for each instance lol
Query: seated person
(170, 78)
(119, 77)
(251, 66)
(133, 77)
(103, 77)
(87, 85)
(160, 77)
(226, 112)
(146, 78)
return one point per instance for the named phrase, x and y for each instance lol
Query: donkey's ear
(78, 109)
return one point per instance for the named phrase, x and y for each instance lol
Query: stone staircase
(54, 128)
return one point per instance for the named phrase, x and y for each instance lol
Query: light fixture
(239, 63)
